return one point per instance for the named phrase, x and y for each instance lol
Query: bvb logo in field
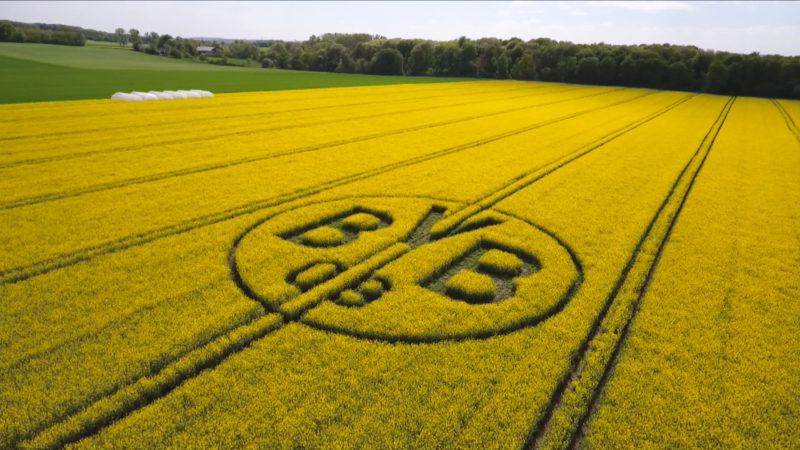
(387, 268)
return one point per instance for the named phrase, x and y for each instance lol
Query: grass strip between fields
(573, 399)
(24, 272)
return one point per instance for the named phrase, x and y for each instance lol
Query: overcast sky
(764, 27)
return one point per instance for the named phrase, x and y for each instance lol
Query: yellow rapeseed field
(489, 264)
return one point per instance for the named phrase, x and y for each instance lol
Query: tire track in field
(147, 389)
(311, 148)
(67, 259)
(100, 415)
(241, 131)
(788, 119)
(524, 180)
(621, 305)
(166, 124)
(205, 107)
(153, 368)
(9, 366)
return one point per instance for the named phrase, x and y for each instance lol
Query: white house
(206, 50)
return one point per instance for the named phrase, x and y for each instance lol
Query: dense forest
(658, 66)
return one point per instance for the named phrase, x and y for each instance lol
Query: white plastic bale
(126, 97)
(189, 94)
(145, 95)
(161, 95)
(137, 96)
(176, 94)
(202, 93)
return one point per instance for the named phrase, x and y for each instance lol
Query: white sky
(764, 27)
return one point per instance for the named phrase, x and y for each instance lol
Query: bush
(267, 63)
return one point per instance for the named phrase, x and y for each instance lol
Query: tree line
(41, 33)
(657, 66)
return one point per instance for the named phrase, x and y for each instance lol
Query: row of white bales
(137, 96)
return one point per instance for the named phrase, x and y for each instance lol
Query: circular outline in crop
(528, 322)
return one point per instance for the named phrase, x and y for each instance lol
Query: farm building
(206, 50)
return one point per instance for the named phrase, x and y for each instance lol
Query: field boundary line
(147, 389)
(25, 201)
(20, 273)
(122, 149)
(597, 352)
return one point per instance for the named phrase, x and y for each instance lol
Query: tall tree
(420, 59)
(136, 40)
(122, 40)
(7, 32)
(524, 68)
(501, 63)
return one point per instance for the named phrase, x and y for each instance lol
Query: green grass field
(42, 72)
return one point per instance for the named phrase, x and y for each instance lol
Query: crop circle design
(375, 269)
